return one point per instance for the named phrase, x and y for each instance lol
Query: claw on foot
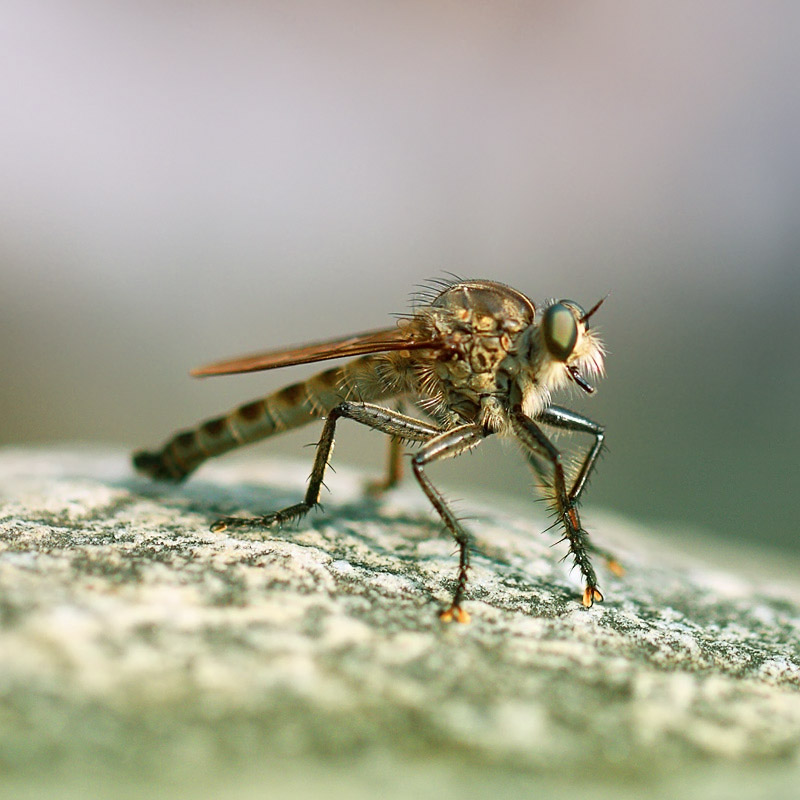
(591, 595)
(232, 522)
(454, 613)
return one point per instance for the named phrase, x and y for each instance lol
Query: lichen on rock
(125, 624)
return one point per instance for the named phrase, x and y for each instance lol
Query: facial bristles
(591, 360)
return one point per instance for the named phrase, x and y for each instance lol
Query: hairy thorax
(471, 377)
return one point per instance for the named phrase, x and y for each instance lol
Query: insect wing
(356, 345)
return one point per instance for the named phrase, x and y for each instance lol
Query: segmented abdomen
(291, 407)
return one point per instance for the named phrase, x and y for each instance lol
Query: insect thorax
(472, 376)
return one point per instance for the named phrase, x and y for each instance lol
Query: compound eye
(560, 331)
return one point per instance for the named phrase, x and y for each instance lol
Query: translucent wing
(356, 345)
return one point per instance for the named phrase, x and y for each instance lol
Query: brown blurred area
(185, 182)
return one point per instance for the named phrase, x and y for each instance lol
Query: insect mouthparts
(579, 379)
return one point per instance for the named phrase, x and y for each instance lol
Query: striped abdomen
(288, 408)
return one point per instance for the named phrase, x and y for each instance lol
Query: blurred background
(189, 181)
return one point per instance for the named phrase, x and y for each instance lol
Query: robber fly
(477, 358)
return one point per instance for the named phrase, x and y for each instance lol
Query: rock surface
(137, 645)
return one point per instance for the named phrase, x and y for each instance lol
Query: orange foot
(591, 595)
(454, 613)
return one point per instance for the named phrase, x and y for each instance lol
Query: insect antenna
(585, 318)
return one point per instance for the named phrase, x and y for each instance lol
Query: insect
(477, 358)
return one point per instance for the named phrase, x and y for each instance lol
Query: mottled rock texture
(133, 639)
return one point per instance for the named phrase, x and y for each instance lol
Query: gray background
(191, 181)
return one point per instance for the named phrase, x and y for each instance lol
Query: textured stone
(136, 641)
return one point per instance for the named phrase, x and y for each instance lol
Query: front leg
(395, 424)
(538, 445)
(565, 419)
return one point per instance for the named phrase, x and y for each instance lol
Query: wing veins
(389, 339)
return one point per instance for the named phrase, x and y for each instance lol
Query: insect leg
(559, 417)
(382, 419)
(447, 445)
(394, 469)
(534, 440)
(394, 466)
